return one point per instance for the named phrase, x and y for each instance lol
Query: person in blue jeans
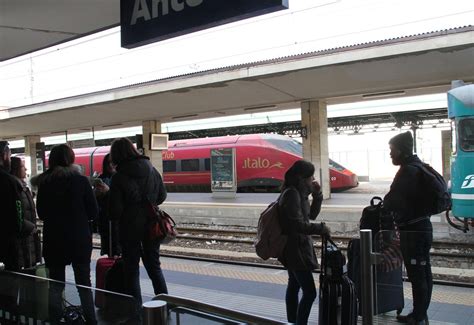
(298, 257)
(135, 183)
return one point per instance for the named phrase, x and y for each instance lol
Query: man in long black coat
(11, 214)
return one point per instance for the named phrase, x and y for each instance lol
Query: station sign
(147, 21)
(83, 143)
(223, 170)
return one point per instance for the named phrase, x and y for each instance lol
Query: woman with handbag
(134, 186)
(66, 204)
(295, 213)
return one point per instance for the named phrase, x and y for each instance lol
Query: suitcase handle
(378, 198)
(325, 239)
(110, 240)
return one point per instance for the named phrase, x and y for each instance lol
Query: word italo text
(141, 9)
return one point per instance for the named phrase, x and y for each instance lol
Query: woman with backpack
(299, 256)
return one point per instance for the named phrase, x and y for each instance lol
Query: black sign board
(147, 21)
(223, 169)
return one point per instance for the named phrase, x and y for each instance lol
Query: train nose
(355, 180)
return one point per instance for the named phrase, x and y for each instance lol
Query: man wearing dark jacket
(12, 223)
(134, 184)
(416, 231)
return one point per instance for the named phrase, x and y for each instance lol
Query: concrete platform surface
(261, 291)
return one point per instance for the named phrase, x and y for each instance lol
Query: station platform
(261, 291)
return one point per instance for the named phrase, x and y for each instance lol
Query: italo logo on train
(260, 163)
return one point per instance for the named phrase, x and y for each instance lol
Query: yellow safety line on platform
(250, 205)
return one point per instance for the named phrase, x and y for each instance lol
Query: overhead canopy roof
(29, 25)
(399, 67)
(407, 66)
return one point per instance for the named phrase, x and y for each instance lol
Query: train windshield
(466, 134)
(287, 144)
(335, 165)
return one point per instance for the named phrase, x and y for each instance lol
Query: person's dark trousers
(415, 243)
(83, 278)
(298, 310)
(149, 251)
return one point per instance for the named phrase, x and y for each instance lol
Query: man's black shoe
(403, 318)
(408, 319)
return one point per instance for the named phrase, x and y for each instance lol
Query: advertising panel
(223, 171)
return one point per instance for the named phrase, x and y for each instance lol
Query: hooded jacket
(295, 213)
(404, 196)
(135, 181)
(66, 204)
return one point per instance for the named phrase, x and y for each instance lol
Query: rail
(216, 310)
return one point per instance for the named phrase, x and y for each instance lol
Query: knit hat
(403, 142)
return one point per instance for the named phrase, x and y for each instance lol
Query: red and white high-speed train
(261, 162)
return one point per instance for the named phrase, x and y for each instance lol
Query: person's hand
(325, 230)
(102, 188)
(315, 188)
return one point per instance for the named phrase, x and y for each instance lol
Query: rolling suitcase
(337, 295)
(104, 264)
(388, 291)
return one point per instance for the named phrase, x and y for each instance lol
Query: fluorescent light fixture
(111, 125)
(259, 107)
(384, 94)
(183, 116)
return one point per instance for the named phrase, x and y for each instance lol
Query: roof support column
(151, 127)
(315, 143)
(30, 155)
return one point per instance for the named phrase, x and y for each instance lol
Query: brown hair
(61, 155)
(123, 149)
(299, 170)
(15, 165)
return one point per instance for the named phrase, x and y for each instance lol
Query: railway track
(444, 254)
(247, 237)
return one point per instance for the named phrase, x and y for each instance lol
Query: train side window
(190, 165)
(207, 164)
(169, 166)
(454, 137)
(466, 134)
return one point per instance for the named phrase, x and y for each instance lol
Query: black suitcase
(388, 291)
(337, 295)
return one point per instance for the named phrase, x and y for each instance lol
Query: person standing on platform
(29, 249)
(13, 225)
(416, 231)
(101, 189)
(298, 257)
(135, 182)
(66, 204)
